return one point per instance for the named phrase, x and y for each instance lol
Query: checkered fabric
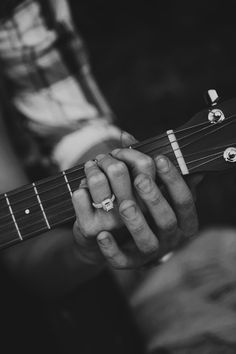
(45, 62)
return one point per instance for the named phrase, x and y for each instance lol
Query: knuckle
(155, 198)
(128, 209)
(86, 230)
(97, 179)
(144, 183)
(117, 169)
(146, 162)
(138, 229)
(151, 250)
(116, 261)
(186, 204)
(171, 226)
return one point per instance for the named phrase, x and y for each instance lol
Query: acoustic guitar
(205, 143)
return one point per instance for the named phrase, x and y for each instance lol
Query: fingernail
(89, 163)
(115, 152)
(100, 157)
(128, 212)
(104, 239)
(162, 164)
(83, 183)
(143, 183)
(127, 139)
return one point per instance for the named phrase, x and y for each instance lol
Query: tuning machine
(215, 115)
(230, 154)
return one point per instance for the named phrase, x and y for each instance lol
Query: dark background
(153, 61)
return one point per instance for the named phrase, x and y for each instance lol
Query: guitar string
(201, 164)
(203, 158)
(71, 209)
(154, 139)
(63, 202)
(78, 178)
(66, 192)
(209, 149)
(157, 139)
(78, 169)
(30, 206)
(208, 133)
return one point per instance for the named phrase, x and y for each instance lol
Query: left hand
(174, 216)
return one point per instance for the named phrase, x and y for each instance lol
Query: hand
(131, 175)
(195, 291)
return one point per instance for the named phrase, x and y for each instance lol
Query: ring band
(106, 204)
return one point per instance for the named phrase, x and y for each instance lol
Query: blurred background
(153, 61)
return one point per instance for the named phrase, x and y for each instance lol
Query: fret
(8, 231)
(41, 206)
(13, 217)
(67, 182)
(74, 177)
(27, 211)
(55, 197)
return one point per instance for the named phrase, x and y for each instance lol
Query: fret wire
(56, 214)
(67, 182)
(49, 209)
(41, 206)
(13, 217)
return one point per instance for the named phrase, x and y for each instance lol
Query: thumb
(127, 139)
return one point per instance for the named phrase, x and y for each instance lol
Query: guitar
(206, 143)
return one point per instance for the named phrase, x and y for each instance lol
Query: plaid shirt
(44, 60)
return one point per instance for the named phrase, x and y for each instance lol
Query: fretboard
(43, 205)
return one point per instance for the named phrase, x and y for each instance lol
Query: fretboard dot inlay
(27, 211)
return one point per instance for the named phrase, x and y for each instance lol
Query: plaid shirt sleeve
(44, 61)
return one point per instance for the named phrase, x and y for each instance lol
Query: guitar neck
(43, 205)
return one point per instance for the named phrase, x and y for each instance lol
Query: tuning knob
(211, 97)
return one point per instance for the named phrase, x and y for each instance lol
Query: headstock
(208, 140)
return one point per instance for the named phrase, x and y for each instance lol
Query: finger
(127, 139)
(97, 182)
(193, 181)
(180, 194)
(163, 215)
(111, 251)
(135, 222)
(84, 211)
(118, 176)
(136, 160)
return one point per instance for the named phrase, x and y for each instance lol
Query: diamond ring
(106, 204)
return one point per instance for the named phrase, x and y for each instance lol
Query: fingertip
(115, 152)
(127, 139)
(162, 163)
(104, 240)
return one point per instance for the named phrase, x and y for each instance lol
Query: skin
(131, 176)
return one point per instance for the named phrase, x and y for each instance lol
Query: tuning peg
(211, 97)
